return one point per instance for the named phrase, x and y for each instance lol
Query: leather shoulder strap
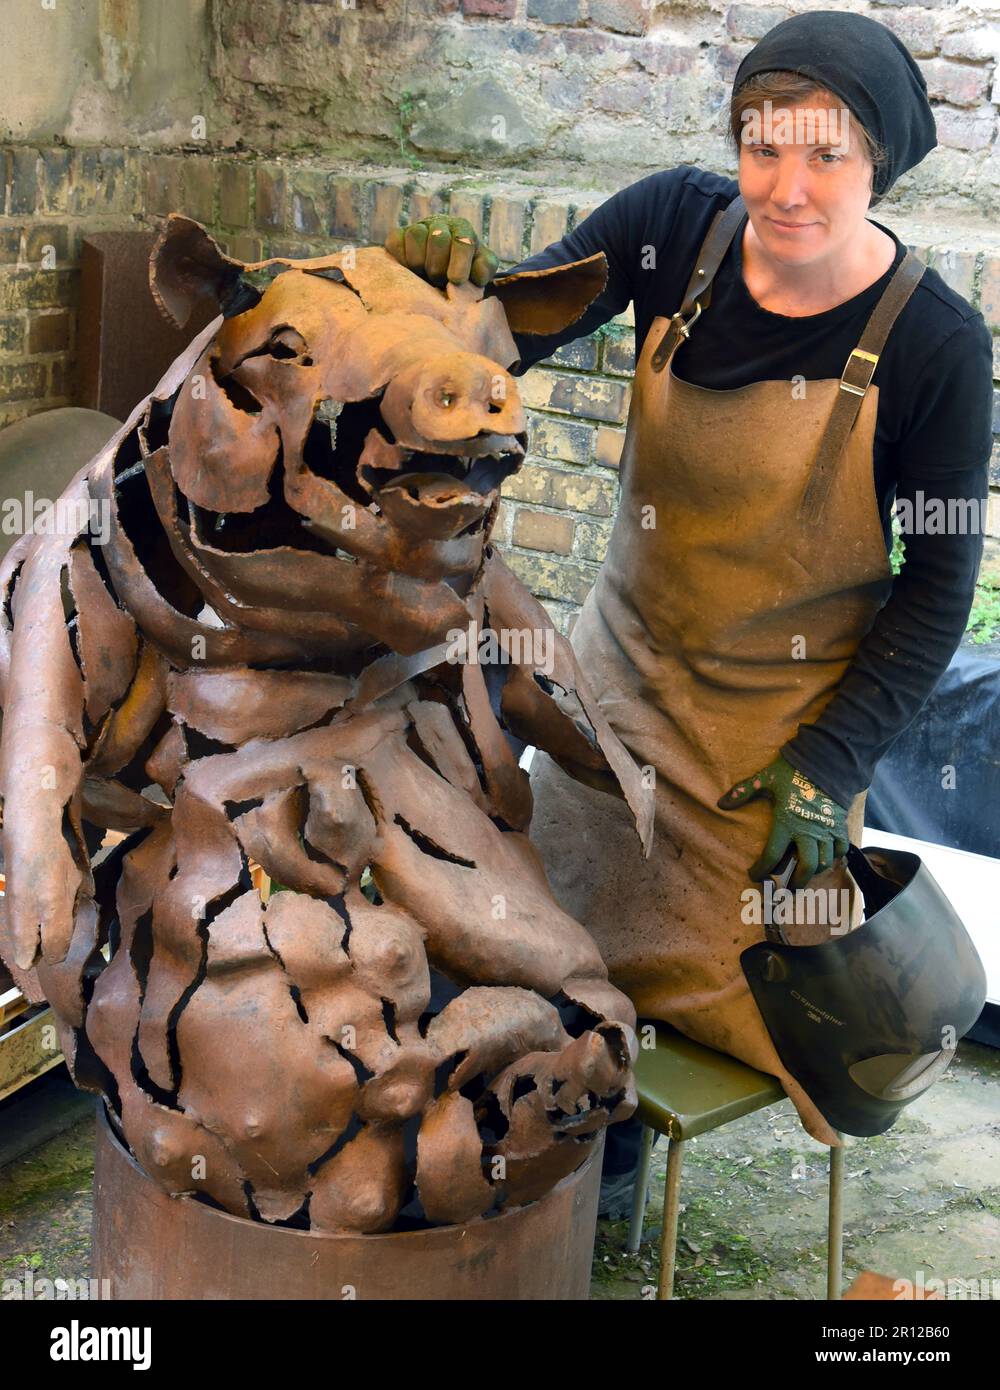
(854, 382)
(698, 295)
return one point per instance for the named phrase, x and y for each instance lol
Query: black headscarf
(863, 63)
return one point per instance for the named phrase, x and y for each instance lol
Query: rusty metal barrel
(149, 1245)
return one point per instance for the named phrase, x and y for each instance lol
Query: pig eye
(446, 396)
(285, 344)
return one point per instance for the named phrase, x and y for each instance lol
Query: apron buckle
(867, 371)
(682, 327)
(677, 328)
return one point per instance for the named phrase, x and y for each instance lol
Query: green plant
(984, 619)
(406, 109)
(898, 553)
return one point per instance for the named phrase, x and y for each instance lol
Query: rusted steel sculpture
(258, 667)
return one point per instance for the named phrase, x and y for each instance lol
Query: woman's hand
(803, 813)
(443, 249)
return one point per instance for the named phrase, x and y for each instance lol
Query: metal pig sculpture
(259, 667)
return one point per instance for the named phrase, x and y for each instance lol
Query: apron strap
(698, 295)
(854, 382)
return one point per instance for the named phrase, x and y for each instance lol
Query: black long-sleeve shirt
(933, 431)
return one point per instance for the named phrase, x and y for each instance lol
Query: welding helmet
(868, 1020)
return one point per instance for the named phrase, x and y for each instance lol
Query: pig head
(340, 440)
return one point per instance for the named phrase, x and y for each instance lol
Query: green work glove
(443, 249)
(803, 813)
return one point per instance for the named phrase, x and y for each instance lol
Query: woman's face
(805, 177)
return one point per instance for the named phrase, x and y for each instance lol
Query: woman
(745, 631)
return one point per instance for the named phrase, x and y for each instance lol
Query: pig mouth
(354, 447)
(430, 477)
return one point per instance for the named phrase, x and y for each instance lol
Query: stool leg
(835, 1226)
(671, 1208)
(641, 1185)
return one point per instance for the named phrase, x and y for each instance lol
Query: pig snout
(446, 404)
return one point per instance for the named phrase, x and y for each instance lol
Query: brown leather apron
(746, 563)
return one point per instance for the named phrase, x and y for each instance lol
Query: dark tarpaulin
(938, 782)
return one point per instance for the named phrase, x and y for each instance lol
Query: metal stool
(686, 1089)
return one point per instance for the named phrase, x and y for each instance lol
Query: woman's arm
(944, 455)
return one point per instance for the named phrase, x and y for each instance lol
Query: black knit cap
(863, 63)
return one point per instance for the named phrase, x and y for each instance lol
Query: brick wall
(557, 512)
(50, 198)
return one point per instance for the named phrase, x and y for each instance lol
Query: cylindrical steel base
(152, 1246)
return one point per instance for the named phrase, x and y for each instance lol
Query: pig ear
(547, 301)
(186, 265)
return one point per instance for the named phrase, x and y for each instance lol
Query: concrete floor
(924, 1196)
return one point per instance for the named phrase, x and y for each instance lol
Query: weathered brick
(565, 91)
(578, 395)
(982, 42)
(916, 27)
(352, 209)
(965, 130)
(592, 540)
(286, 248)
(426, 202)
(311, 202)
(42, 235)
(506, 237)
(11, 333)
(753, 21)
(272, 186)
(36, 289)
(10, 245)
(959, 83)
(100, 183)
(619, 354)
(49, 332)
(164, 187)
(551, 487)
(199, 188)
(234, 193)
(549, 223)
(582, 353)
(21, 380)
(24, 167)
(504, 523)
(560, 439)
(567, 580)
(387, 210)
(621, 16)
(627, 95)
(56, 176)
(244, 246)
(543, 531)
(471, 206)
(608, 448)
(556, 11)
(491, 9)
(727, 58)
(563, 439)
